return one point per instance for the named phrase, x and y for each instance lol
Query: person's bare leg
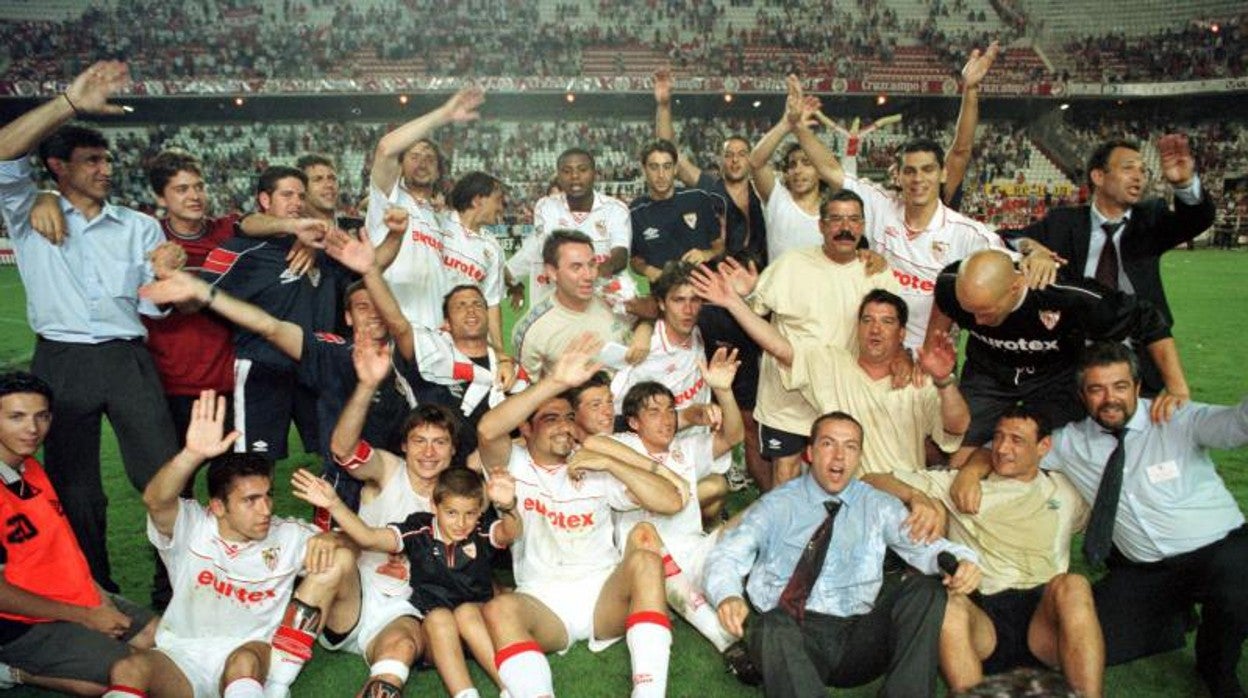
(446, 651)
(392, 653)
(758, 467)
(712, 495)
(786, 468)
(1065, 632)
(967, 637)
(472, 629)
(249, 661)
(151, 672)
(633, 603)
(522, 629)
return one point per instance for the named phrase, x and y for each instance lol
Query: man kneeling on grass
(451, 553)
(232, 628)
(571, 583)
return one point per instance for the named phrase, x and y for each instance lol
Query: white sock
(690, 603)
(291, 649)
(468, 693)
(123, 692)
(524, 670)
(246, 687)
(649, 638)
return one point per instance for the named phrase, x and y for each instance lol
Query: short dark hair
(842, 195)
(1100, 354)
(444, 164)
(675, 273)
(601, 379)
(432, 415)
(921, 145)
(228, 467)
(783, 163)
(836, 416)
(24, 382)
(446, 300)
(659, 145)
(879, 295)
(313, 159)
(62, 142)
(357, 285)
(640, 394)
(558, 238)
(470, 186)
(571, 152)
(167, 164)
(458, 482)
(1099, 159)
(737, 137)
(1044, 426)
(267, 184)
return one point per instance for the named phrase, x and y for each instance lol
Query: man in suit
(1141, 231)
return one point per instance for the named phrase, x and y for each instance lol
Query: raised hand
(663, 86)
(1177, 164)
(501, 489)
(372, 358)
(204, 435)
(703, 415)
(90, 91)
(711, 286)
(579, 361)
(177, 287)
(742, 278)
(314, 490)
(464, 105)
(978, 64)
(939, 357)
(353, 251)
(722, 369)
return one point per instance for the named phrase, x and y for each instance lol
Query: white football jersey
(567, 524)
(390, 573)
(692, 457)
(916, 257)
(226, 589)
(470, 258)
(788, 226)
(674, 365)
(417, 277)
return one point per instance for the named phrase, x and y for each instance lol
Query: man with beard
(812, 294)
(1162, 520)
(576, 205)
(671, 225)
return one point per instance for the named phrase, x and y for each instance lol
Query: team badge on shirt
(1050, 318)
(600, 227)
(939, 250)
(691, 219)
(270, 556)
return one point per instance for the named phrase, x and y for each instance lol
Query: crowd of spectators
(1199, 50)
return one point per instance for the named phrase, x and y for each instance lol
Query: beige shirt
(895, 422)
(541, 335)
(810, 297)
(1022, 531)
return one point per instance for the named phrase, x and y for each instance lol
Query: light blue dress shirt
(85, 290)
(770, 538)
(1172, 500)
(1189, 195)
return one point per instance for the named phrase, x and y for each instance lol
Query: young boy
(451, 553)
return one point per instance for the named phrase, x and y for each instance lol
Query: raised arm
(761, 172)
(309, 231)
(939, 360)
(719, 374)
(461, 107)
(204, 441)
(959, 156)
(320, 493)
(714, 287)
(87, 94)
(356, 252)
(801, 113)
(372, 365)
(648, 487)
(686, 171)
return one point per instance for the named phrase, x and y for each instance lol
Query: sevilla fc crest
(691, 219)
(1050, 318)
(270, 555)
(939, 249)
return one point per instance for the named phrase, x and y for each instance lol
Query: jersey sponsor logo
(329, 338)
(1020, 344)
(220, 261)
(687, 395)
(559, 519)
(234, 591)
(289, 276)
(1050, 318)
(466, 268)
(914, 282)
(21, 529)
(650, 234)
(691, 219)
(427, 239)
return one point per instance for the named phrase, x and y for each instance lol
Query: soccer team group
(914, 522)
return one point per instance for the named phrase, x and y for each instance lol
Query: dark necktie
(1107, 265)
(1099, 536)
(793, 598)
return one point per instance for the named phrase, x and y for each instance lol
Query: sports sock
(468, 693)
(649, 638)
(524, 670)
(117, 691)
(291, 649)
(690, 603)
(246, 687)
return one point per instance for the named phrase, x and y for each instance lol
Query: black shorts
(1055, 398)
(1011, 612)
(775, 443)
(266, 400)
(720, 329)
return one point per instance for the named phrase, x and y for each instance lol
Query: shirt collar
(108, 209)
(815, 493)
(1099, 219)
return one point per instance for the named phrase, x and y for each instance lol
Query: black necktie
(1099, 537)
(793, 598)
(1107, 265)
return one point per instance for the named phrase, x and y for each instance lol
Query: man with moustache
(671, 225)
(1162, 519)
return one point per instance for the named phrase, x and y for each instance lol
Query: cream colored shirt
(541, 335)
(1022, 531)
(895, 422)
(810, 297)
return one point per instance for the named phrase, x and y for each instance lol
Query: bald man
(1023, 343)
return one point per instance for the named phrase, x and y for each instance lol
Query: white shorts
(573, 603)
(377, 610)
(202, 661)
(690, 552)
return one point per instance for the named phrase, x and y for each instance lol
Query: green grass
(1204, 289)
